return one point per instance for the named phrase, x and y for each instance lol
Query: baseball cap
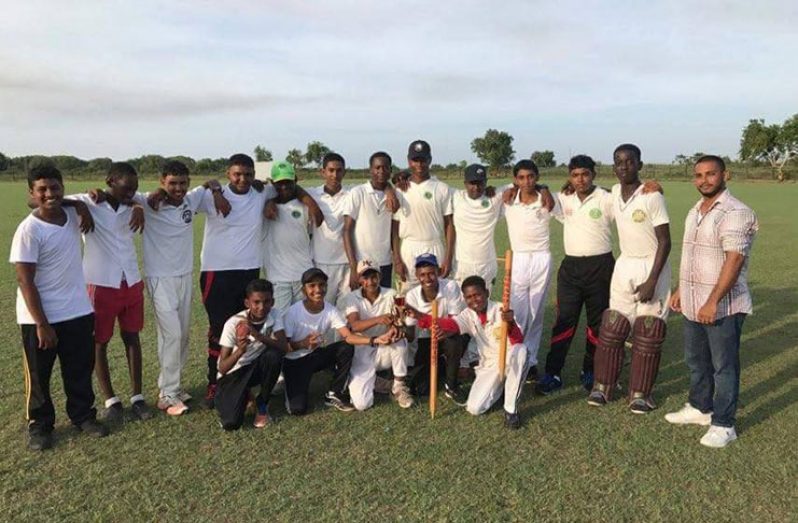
(364, 266)
(426, 259)
(419, 149)
(283, 171)
(312, 274)
(475, 173)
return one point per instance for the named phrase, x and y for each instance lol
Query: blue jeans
(712, 353)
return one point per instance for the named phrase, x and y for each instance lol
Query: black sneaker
(642, 406)
(532, 375)
(586, 377)
(113, 413)
(548, 384)
(456, 394)
(597, 399)
(93, 428)
(39, 439)
(332, 400)
(512, 421)
(141, 410)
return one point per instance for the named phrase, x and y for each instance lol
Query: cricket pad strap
(615, 329)
(648, 334)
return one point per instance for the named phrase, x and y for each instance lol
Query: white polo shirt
(528, 225)
(299, 324)
(328, 238)
(423, 207)
(287, 245)
(55, 249)
(234, 242)
(587, 224)
(271, 324)
(368, 207)
(636, 219)
(168, 242)
(475, 223)
(356, 302)
(109, 255)
(486, 336)
(450, 302)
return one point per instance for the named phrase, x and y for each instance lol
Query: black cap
(476, 173)
(313, 274)
(419, 149)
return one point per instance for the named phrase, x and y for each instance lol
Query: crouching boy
(252, 348)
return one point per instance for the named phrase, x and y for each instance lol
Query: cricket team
(330, 254)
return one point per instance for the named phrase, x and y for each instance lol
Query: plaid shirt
(729, 225)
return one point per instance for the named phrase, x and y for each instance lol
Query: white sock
(137, 397)
(112, 401)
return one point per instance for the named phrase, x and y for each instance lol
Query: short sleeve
(269, 192)
(448, 207)
(278, 321)
(140, 198)
(228, 337)
(411, 300)
(337, 320)
(455, 301)
(352, 204)
(463, 322)
(349, 303)
(607, 207)
(288, 322)
(25, 245)
(737, 230)
(557, 211)
(195, 197)
(206, 204)
(657, 209)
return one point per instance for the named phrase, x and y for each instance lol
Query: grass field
(568, 462)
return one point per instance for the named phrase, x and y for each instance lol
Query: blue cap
(426, 259)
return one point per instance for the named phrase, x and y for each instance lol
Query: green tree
(775, 144)
(68, 163)
(462, 165)
(544, 159)
(99, 165)
(262, 154)
(315, 152)
(188, 161)
(5, 162)
(495, 148)
(295, 158)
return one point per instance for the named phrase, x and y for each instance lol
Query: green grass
(568, 462)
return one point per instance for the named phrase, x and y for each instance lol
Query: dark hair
(332, 157)
(712, 158)
(582, 161)
(242, 160)
(474, 281)
(259, 285)
(119, 170)
(44, 171)
(526, 165)
(629, 147)
(380, 154)
(174, 168)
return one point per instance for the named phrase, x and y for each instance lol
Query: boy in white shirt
(53, 310)
(370, 311)
(253, 344)
(309, 326)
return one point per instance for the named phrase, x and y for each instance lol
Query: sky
(208, 79)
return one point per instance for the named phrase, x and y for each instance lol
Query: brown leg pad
(615, 329)
(648, 335)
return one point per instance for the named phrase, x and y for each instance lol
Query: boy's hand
(650, 186)
(509, 194)
(47, 337)
(676, 301)
(312, 341)
(221, 204)
(567, 188)
(155, 198)
(137, 219)
(384, 339)
(243, 331)
(402, 181)
(384, 319)
(508, 316)
(354, 283)
(270, 210)
(258, 185)
(410, 312)
(97, 195)
(86, 220)
(391, 201)
(645, 291)
(400, 268)
(490, 191)
(546, 199)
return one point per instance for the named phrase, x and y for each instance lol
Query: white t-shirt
(168, 243)
(367, 206)
(450, 302)
(234, 242)
(475, 223)
(328, 238)
(423, 207)
(299, 324)
(287, 245)
(356, 302)
(271, 324)
(110, 254)
(587, 224)
(59, 276)
(636, 220)
(528, 225)
(486, 336)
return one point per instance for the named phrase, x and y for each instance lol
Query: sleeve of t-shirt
(352, 204)
(206, 204)
(608, 208)
(737, 230)
(410, 299)
(349, 303)
(228, 337)
(289, 325)
(556, 211)
(140, 198)
(463, 323)
(448, 208)
(457, 303)
(195, 197)
(337, 320)
(25, 245)
(269, 192)
(278, 321)
(657, 209)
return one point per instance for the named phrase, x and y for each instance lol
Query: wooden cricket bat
(508, 272)
(433, 360)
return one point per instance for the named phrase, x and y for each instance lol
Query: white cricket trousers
(337, 281)
(628, 274)
(365, 364)
(171, 299)
(410, 249)
(488, 387)
(531, 276)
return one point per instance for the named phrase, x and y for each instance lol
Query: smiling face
(708, 178)
(47, 193)
(175, 186)
(581, 179)
(476, 298)
(427, 276)
(123, 188)
(370, 281)
(525, 180)
(333, 173)
(626, 165)
(259, 304)
(315, 291)
(240, 178)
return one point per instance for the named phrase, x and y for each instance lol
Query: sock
(262, 405)
(137, 397)
(112, 401)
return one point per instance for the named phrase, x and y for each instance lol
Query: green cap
(283, 171)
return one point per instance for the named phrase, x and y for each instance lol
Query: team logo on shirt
(187, 214)
(428, 195)
(595, 213)
(485, 203)
(638, 216)
(296, 214)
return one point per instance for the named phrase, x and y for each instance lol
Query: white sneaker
(718, 437)
(402, 394)
(689, 415)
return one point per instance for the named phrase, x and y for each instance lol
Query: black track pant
(233, 388)
(75, 351)
(580, 280)
(451, 349)
(223, 296)
(298, 373)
